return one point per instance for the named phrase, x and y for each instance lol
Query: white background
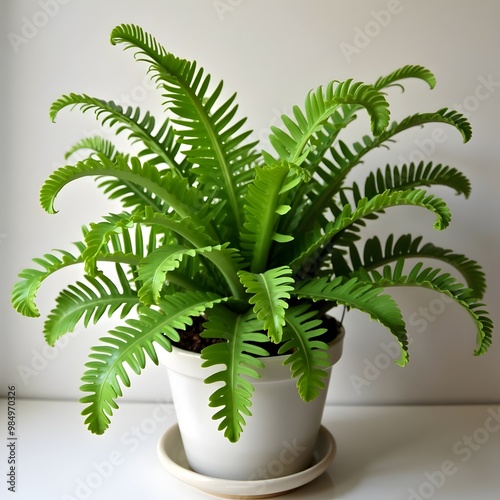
(272, 53)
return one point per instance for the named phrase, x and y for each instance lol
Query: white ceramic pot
(277, 440)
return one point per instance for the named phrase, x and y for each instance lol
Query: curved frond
(364, 296)
(408, 71)
(375, 256)
(89, 300)
(215, 143)
(309, 356)
(124, 251)
(324, 138)
(269, 291)
(239, 357)
(329, 179)
(457, 120)
(320, 105)
(413, 176)
(313, 245)
(368, 97)
(435, 279)
(227, 262)
(131, 195)
(159, 263)
(25, 290)
(128, 345)
(94, 144)
(101, 234)
(171, 189)
(160, 147)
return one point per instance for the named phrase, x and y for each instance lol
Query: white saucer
(173, 458)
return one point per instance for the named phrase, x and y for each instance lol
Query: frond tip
(365, 296)
(89, 300)
(239, 359)
(309, 359)
(129, 344)
(269, 291)
(434, 279)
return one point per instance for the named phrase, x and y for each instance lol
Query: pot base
(173, 458)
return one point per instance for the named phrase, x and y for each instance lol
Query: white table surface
(383, 452)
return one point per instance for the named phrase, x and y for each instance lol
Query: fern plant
(258, 244)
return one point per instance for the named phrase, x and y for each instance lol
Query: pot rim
(190, 363)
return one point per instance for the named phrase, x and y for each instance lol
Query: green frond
(171, 189)
(131, 195)
(457, 120)
(320, 105)
(159, 263)
(185, 228)
(325, 136)
(309, 360)
(443, 115)
(408, 71)
(239, 358)
(102, 233)
(369, 98)
(413, 176)
(269, 291)
(405, 178)
(435, 279)
(312, 246)
(159, 146)
(89, 300)
(26, 288)
(128, 345)
(94, 144)
(215, 143)
(264, 204)
(227, 262)
(329, 179)
(364, 296)
(324, 139)
(114, 236)
(375, 256)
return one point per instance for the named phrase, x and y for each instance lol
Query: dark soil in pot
(192, 340)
